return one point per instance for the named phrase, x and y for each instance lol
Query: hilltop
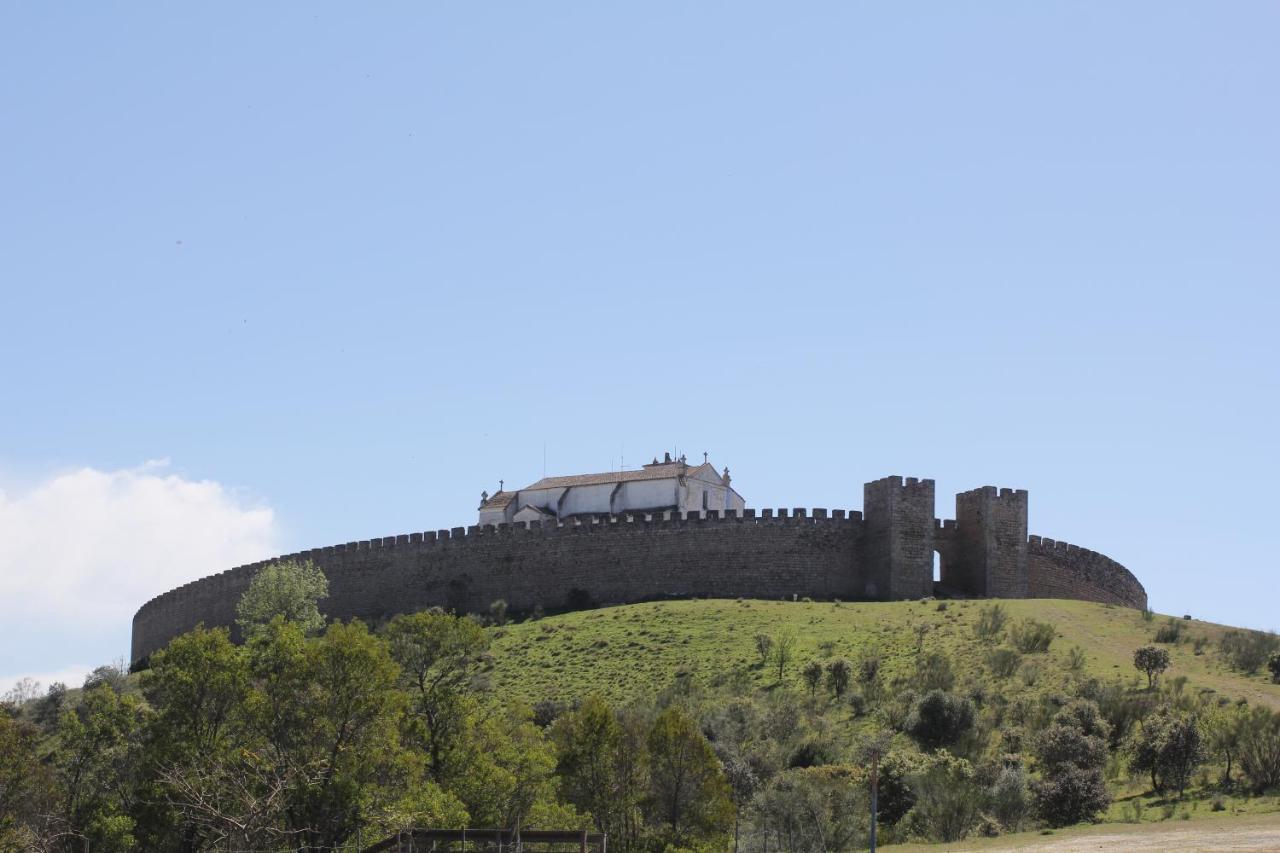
(631, 652)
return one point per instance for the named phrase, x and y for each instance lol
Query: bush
(811, 673)
(934, 672)
(940, 719)
(1071, 795)
(1260, 749)
(991, 621)
(1010, 798)
(498, 612)
(1003, 662)
(1032, 637)
(1247, 651)
(839, 673)
(1273, 666)
(1169, 632)
(764, 646)
(948, 802)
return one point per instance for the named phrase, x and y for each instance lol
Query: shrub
(839, 673)
(1076, 659)
(1169, 632)
(812, 676)
(1199, 643)
(498, 612)
(940, 719)
(934, 672)
(1247, 651)
(1003, 662)
(1273, 666)
(764, 645)
(1260, 749)
(1147, 615)
(1170, 748)
(1010, 798)
(1071, 795)
(948, 802)
(1032, 637)
(991, 621)
(1030, 673)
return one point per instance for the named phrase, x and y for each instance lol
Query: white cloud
(83, 550)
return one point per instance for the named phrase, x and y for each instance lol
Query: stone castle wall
(617, 559)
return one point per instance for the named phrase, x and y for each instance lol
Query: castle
(672, 529)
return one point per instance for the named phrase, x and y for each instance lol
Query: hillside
(633, 651)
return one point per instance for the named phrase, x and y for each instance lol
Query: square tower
(898, 543)
(990, 551)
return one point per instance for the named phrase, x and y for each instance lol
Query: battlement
(882, 552)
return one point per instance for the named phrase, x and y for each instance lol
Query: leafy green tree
(96, 752)
(197, 685)
(27, 792)
(948, 800)
(1010, 798)
(290, 589)
(688, 795)
(439, 656)
(815, 808)
(1170, 748)
(326, 711)
(1152, 660)
(1224, 730)
(588, 742)
(1077, 735)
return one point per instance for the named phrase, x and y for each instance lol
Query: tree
(812, 676)
(1273, 666)
(688, 793)
(1260, 748)
(1076, 736)
(96, 749)
(815, 808)
(1151, 660)
(948, 801)
(839, 673)
(1224, 731)
(1010, 798)
(290, 589)
(1170, 748)
(939, 719)
(27, 792)
(326, 711)
(588, 741)
(784, 644)
(439, 656)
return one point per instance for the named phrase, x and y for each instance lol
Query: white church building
(669, 485)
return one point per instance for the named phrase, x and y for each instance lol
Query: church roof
(501, 499)
(661, 471)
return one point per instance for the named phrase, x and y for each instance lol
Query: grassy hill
(633, 651)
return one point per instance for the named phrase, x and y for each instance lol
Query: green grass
(631, 652)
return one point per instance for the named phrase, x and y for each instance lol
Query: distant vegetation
(676, 726)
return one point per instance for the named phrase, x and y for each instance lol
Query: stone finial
(704, 457)
(666, 458)
(484, 496)
(502, 484)
(725, 475)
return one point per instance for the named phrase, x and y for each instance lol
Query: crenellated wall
(1061, 570)
(625, 558)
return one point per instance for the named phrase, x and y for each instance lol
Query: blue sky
(277, 276)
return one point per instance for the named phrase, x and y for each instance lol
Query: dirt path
(1243, 833)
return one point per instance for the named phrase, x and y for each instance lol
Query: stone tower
(898, 544)
(989, 553)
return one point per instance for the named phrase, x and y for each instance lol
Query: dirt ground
(1243, 833)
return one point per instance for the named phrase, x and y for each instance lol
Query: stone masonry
(883, 553)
